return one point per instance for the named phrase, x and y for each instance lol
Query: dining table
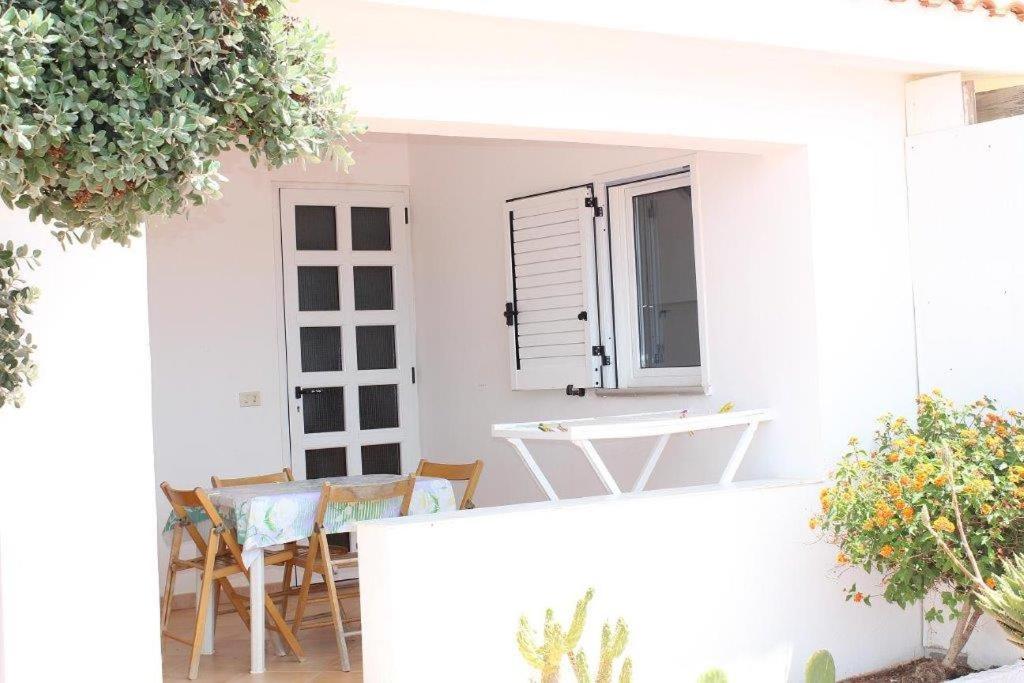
(265, 515)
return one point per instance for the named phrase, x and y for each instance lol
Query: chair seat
(340, 557)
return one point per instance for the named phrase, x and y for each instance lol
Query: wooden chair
(281, 477)
(220, 557)
(322, 559)
(469, 473)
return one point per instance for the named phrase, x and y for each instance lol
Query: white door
(349, 332)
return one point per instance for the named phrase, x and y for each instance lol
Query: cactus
(713, 676)
(547, 656)
(821, 668)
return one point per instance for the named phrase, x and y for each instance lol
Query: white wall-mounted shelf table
(583, 432)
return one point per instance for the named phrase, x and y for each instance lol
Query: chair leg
(286, 584)
(332, 599)
(307, 578)
(282, 626)
(205, 595)
(169, 579)
(236, 600)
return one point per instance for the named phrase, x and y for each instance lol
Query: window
(655, 282)
(608, 297)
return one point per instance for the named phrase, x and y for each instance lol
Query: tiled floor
(230, 661)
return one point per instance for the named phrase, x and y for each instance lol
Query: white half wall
(678, 566)
(79, 576)
(966, 209)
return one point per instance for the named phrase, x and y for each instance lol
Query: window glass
(666, 279)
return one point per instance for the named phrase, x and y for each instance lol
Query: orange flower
(943, 524)
(908, 514)
(986, 509)
(894, 456)
(941, 480)
(886, 551)
(813, 523)
(841, 558)
(990, 582)
(894, 489)
(859, 597)
(904, 480)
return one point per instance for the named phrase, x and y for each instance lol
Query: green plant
(115, 110)
(559, 643)
(820, 668)
(16, 298)
(1005, 602)
(956, 474)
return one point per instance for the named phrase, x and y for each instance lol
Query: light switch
(249, 399)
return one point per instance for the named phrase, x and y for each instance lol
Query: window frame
(618, 284)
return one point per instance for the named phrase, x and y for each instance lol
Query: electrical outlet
(249, 399)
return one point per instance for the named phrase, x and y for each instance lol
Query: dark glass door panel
(323, 410)
(315, 228)
(326, 462)
(318, 288)
(374, 288)
(371, 228)
(382, 458)
(378, 406)
(321, 349)
(375, 347)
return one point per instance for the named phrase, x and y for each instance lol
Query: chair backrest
(181, 501)
(340, 493)
(284, 475)
(469, 473)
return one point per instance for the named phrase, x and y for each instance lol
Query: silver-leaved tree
(115, 110)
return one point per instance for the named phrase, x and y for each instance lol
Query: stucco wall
(759, 287)
(684, 588)
(811, 298)
(966, 208)
(77, 516)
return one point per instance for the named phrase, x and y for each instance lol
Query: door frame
(281, 325)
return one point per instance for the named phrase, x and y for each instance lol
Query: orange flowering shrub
(873, 508)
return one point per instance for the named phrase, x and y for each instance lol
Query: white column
(78, 466)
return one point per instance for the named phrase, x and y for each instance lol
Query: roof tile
(994, 7)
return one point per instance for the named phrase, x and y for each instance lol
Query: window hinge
(510, 314)
(592, 203)
(407, 215)
(599, 351)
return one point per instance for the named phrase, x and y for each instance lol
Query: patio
(555, 223)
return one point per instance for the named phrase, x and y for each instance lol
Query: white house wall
(760, 301)
(78, 516)
(416, 70)
(809, 266)
(966, 208)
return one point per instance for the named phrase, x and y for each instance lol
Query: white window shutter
(551, 309)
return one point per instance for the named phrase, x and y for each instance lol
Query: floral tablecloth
(263, 515)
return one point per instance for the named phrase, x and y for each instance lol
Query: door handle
(302, 391)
